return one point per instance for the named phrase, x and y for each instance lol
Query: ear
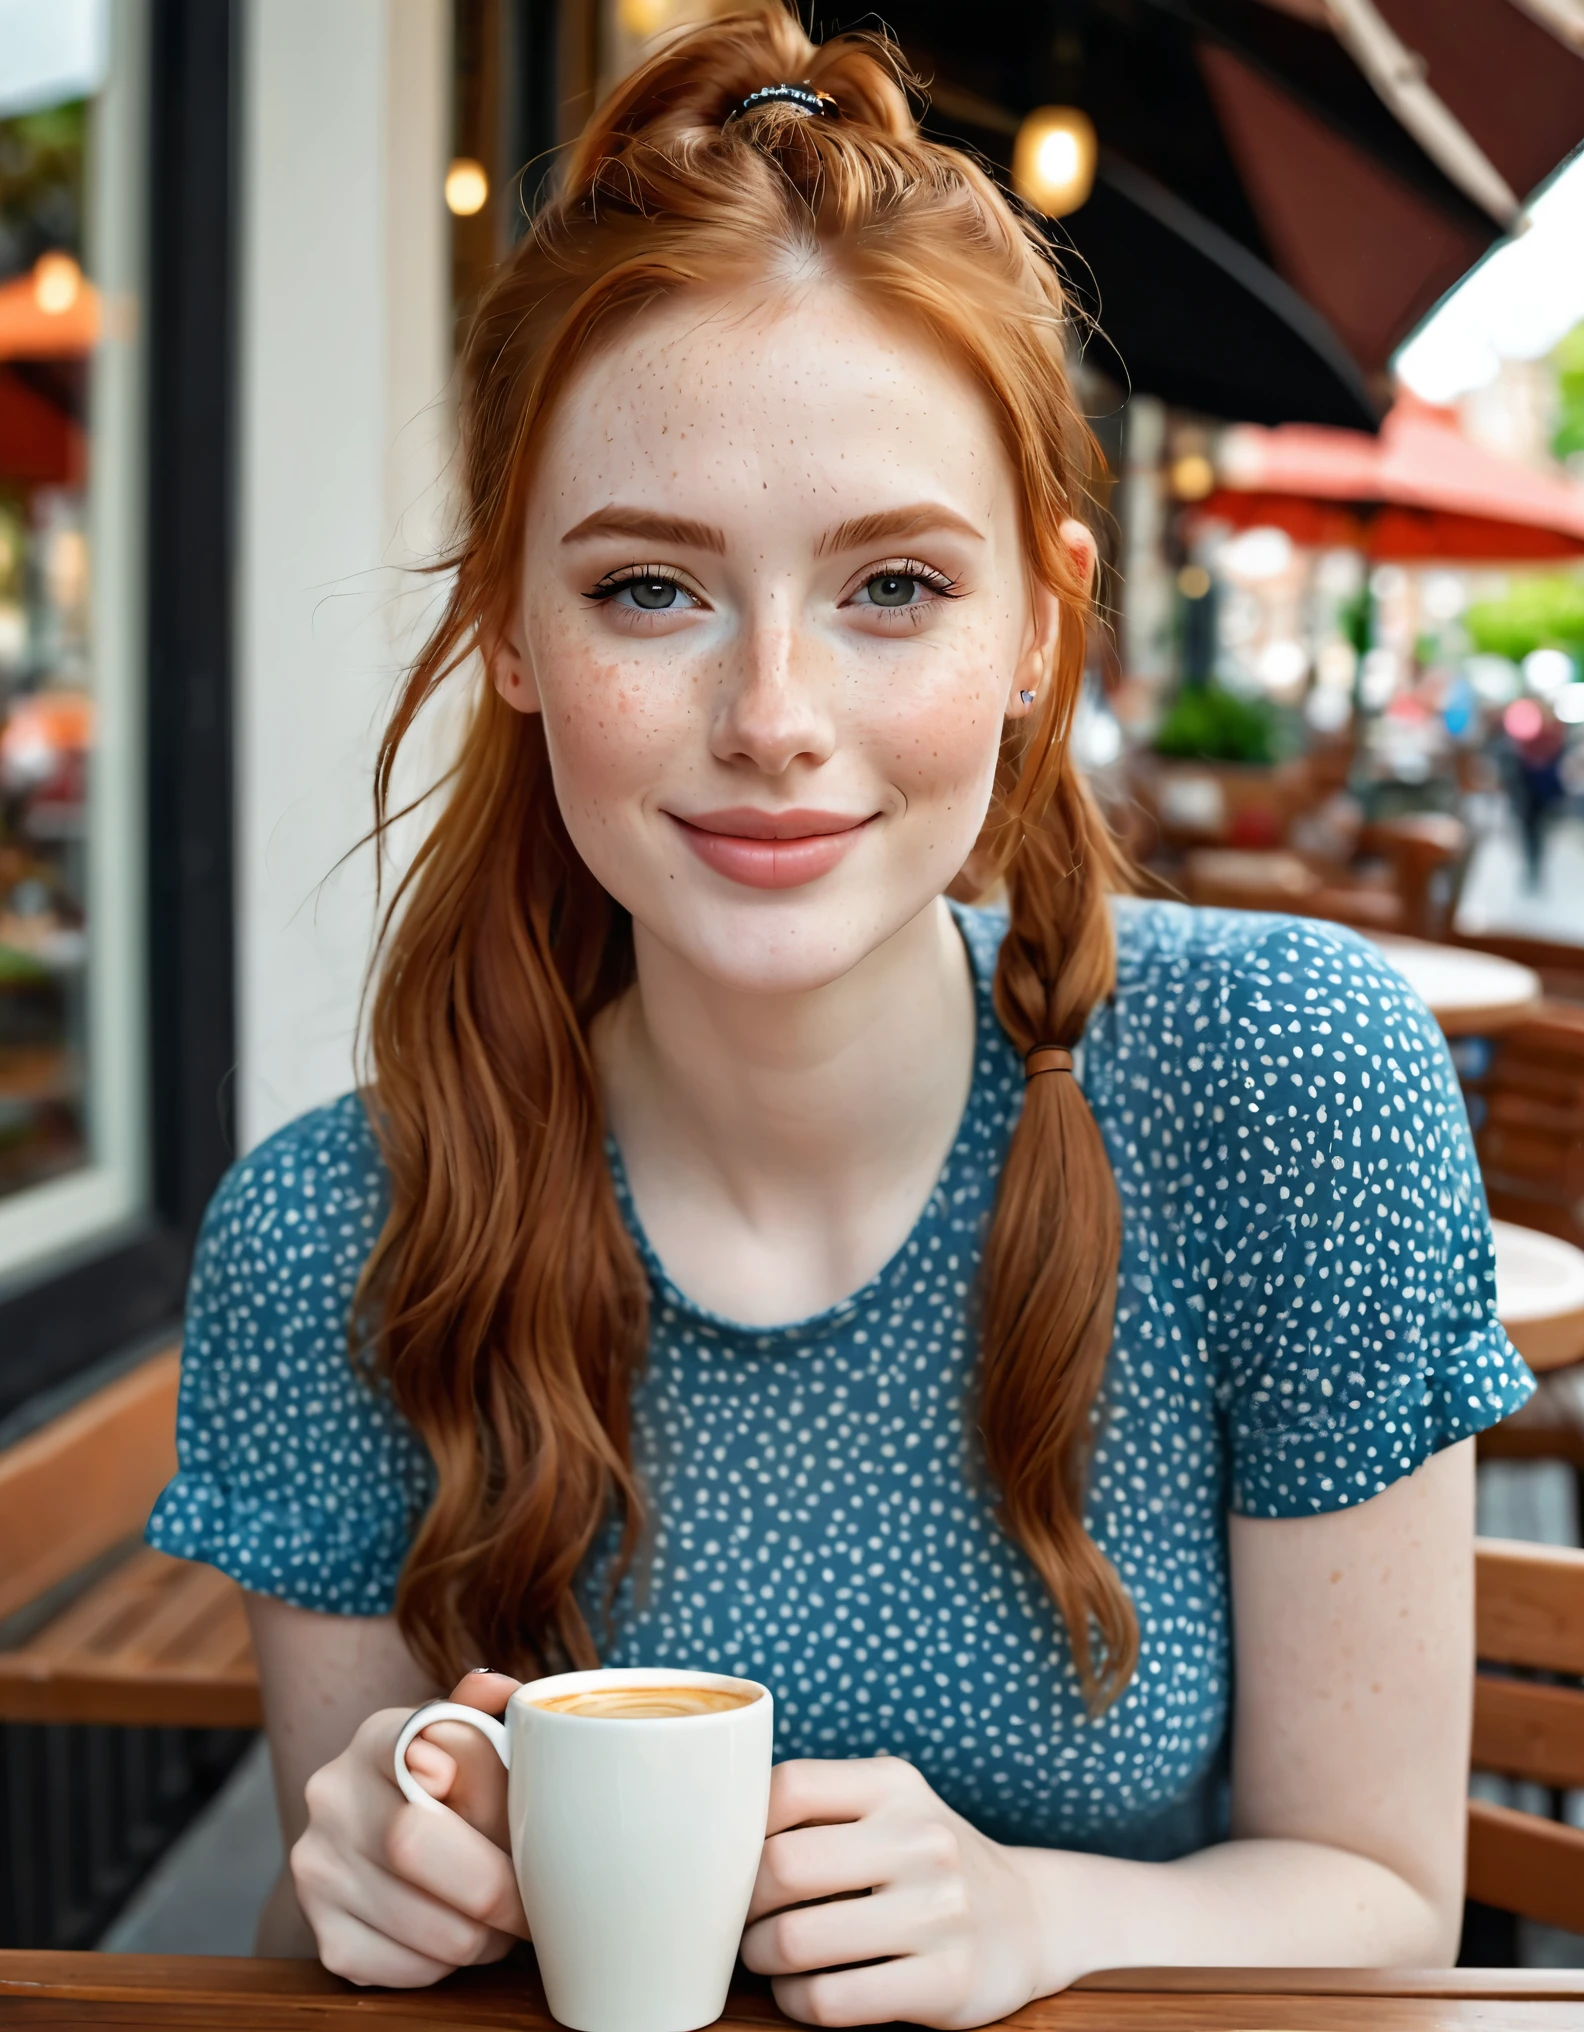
(1039, 652)
(511, 673)
(1038, 655)
(1078, 540)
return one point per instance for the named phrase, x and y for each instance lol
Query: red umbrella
(1421, 490)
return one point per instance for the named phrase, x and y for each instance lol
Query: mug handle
(444, 1711)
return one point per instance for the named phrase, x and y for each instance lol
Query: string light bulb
(643, 18)
(57, 283)
(1053, 160)
(466, 187)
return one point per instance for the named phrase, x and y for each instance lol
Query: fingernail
(475, 1670)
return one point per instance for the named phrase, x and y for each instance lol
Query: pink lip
(770, 849)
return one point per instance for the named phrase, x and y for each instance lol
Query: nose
(776, 706)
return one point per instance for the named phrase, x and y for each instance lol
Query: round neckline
(988, 1037)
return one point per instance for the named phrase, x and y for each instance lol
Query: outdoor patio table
(1540, 1295)
(199, 1993)
(1470, 994)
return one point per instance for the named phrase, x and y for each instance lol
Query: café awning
(1419, 491)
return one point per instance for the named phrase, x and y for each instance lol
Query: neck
(815, 1123)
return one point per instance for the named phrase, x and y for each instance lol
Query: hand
(396, 1893)
(948, 1919)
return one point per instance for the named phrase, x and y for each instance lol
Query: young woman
(1040, 1343)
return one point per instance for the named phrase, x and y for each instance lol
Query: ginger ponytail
(504, 1304)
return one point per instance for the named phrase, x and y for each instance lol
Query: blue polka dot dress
(1305, 1313)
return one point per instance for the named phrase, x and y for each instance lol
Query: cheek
(610, 729)
(940, 741)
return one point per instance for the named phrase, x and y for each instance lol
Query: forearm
(282, 1929)
(1243, 1903)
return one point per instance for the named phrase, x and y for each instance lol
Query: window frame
(118, 1289)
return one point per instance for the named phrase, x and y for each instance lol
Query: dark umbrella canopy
(1263, 232)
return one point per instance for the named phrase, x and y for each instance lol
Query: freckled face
(775, 609)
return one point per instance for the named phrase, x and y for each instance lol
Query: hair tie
(806, 99)
(1047, 1058)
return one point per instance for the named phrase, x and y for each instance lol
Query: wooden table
(1470, 994)
(211, 1995)
(1540, 1295)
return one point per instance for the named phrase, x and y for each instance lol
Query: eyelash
(637, 574)
(939, 583)
(912, 568)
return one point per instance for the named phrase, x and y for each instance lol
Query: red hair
(505, 1295)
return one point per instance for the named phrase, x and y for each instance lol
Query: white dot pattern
(1305, 1313)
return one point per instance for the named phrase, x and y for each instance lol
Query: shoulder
(297, 1474)
(322, 1172)
(1281, 1057)
(285, 1239)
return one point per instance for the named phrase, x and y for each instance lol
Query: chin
(764, 948)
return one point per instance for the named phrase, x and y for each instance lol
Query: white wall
(344, 430)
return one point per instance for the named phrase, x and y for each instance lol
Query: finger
(807, 1863)
(907, 1921)
(430, 1927)
(484, 1689)
(916, 1990)
(476, 1786)
(440, 1853)
(834, 1789)
(362, 1954)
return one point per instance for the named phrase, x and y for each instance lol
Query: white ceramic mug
(636, 1843)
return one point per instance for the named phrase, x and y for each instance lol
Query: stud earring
(1027, 697)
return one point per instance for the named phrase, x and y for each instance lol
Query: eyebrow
(863, 530)
(639, 522)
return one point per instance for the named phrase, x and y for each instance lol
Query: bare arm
(1355, 1650)
(321, 1677)
(1355, 1662)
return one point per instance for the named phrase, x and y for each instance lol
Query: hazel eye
(892, 589)
(640, 590)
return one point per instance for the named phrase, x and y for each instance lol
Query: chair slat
(86, 1481)
(1529, 1605)
(157, 1641)
(1527, 1731)
(1520, 1863)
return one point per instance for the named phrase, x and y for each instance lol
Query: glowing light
(1259, 554)
(1568, 705)
(1193, 582)
(645, 17)
(1192, 477)
(57, 283)
(1546, 671)
(466, 187)
(1523, 719)
(1053, 160)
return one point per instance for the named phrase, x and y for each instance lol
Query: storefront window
(71, 465)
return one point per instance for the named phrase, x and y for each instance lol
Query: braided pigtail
(1051, 1258)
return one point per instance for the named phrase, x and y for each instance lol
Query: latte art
(647, 1703)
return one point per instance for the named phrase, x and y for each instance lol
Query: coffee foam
(647, 1703)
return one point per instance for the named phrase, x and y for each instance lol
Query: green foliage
(1535, 613)
(1568, 359)
(1356, 619)
(1208, 723)
(41, 183)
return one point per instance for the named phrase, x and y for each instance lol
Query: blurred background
(1326, 262)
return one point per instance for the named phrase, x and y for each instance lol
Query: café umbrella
(1417, 491)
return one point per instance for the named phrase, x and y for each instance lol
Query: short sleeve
(296, 1474)
(1350, 1276)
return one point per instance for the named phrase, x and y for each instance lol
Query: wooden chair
(103, 1628)
(1529, 1615)
(1525, 1091)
